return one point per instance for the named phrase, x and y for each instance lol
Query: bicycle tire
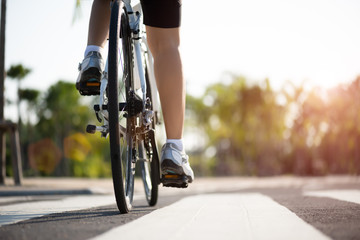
(150, 169)
(120, 126)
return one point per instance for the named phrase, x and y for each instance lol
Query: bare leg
(164, 45)
(99, 23)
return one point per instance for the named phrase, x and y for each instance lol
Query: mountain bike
(128, 106)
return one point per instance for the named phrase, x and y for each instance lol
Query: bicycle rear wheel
(121, 126)
(150, 168)
(150, 172)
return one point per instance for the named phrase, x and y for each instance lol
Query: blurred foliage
(44, 155)
(54, 142)
(94, 163)
(258, 131)
(240, 128)
(18, 72)
(29, 95)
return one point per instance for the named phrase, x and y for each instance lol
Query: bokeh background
(273, 87)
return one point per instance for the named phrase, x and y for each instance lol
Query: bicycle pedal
(91, 129)
(88, 88)
(177, 181)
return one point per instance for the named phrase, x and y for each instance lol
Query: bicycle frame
(135, 16)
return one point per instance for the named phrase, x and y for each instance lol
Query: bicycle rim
(120, 127)
(149, 172)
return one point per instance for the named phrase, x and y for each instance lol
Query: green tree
(340, 146)
(18, 72)
(60, 115)
(245, 124)
(324, 134)
(307, 130)
(31, 97)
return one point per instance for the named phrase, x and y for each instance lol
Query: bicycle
(128, 106)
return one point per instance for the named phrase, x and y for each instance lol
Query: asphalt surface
(334, 218)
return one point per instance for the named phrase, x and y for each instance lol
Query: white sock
(177, 142)
(91, 48)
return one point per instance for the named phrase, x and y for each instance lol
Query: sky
(316, 41)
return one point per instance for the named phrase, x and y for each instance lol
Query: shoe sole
(168, 167)
(89, 83)
(178, 181)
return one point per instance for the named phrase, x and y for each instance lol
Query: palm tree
(31, 97)
(18, 72)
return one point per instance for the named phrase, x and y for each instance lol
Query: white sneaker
(175, 162)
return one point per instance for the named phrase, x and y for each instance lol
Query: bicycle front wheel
(121, 126)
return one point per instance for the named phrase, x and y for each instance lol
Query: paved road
(211, 208)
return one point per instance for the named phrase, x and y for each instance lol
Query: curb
(22, 193)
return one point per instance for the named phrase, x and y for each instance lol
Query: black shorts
(162, 13)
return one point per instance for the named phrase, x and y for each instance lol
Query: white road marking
(18, 212)
(343, 195)
(218, 216)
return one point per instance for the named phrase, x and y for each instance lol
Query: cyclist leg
(164, 45)
(162, 19)
(88, 82)
(99, 23)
